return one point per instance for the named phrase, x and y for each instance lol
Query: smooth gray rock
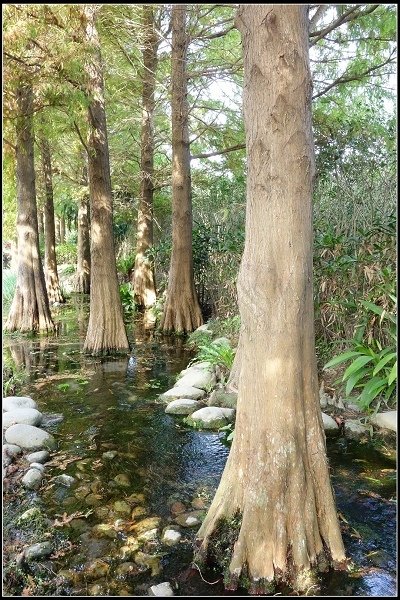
(65, 480)
(222, 399)
(110, 454)
(330, 425)
(29, 437)
(32, 479)
(12, 450)
(27, 416)
(198, 378)
(188, 392)
(37, 551)
(51, 419)
(182, 406)
(201, 366)
(386, 420)
(39, 457)
(211, 417)
(37, 466)
(12, 402)
(354, 430)
(162, 589)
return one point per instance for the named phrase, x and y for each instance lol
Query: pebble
(162, 589)
(37, 551)
(32, 479)
(171, 537)
(38, 457)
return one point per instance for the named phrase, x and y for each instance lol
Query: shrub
(217, 353)
(373, 368)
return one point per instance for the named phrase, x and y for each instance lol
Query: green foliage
(217, 353)
(9, 285)
(125, 264)
(66, 253)
(229, 432)
(127, 298)
(373, 368)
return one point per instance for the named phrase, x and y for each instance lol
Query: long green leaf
(383, 362)
(341, 358)
(356, 365)
(371, 390)
(353, 379)
(393, 374)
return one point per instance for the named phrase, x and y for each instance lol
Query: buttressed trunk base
(273, 518)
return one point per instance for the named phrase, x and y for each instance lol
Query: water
(111, 405)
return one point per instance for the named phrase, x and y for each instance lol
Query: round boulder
(211, 417)
(182, 406)
(26, 416)
(12, 402)
(29, 437)
(181, 391)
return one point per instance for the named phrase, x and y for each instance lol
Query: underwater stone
(122, 480)
(66, 480)
(32, 479)
(171, 537)
(162, 589)
(37, 551)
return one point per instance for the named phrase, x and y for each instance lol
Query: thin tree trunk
(273, 517)
(57, 227)
(41, 222)
(50, 261)
(106, 332)
(62, 229)
(82, 282)
(143, 275)
(182, 311)
(30, 310)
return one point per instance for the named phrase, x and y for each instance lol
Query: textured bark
(50, 261)
(143, 276)
(182, 311)
(275, 501)
(106, 332)
(82, 282)
(30, 310)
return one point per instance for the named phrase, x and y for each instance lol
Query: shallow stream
(113, 426)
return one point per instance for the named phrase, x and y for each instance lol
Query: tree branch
(218, 152)
(78, 131)
(349, 15)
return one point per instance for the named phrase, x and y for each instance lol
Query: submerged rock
(146, 525)
(182, 406)
(128, 568)
(66, 480)
(110, 454)
(191, 393)
(122, 480)
(171, 537)
(27, 416)
(162, 589)
(121, 506)
(39, 457)
(386, 420)
(37, 551)
(211, 417)
(12, 402)
(29, 437)
(104, 530)
(32, 479)
(190, 519)
(149, 561)
(96, 569)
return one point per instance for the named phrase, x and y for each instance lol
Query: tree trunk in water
(273, 517)
(30, 310)
(106, 332)
(182, 311)
(143, 276)
(50, 260)
(62, 229)
(82, 282)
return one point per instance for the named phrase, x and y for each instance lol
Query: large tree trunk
(273, 517)
(30, 310)
(50, 261)
(106, 332)
(143, 275)
(82, 281)
(182, 311)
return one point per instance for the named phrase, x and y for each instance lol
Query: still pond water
(110, 406)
